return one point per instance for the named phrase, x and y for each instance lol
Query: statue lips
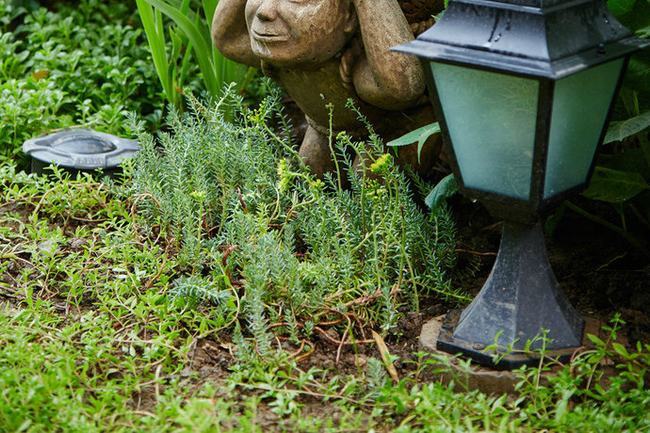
(268, 36)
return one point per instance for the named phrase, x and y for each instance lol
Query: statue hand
(384, 78)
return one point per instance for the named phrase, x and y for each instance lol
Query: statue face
(299, 32)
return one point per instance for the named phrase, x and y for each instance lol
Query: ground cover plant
(176, 300)
(240, 183)
(216, 286)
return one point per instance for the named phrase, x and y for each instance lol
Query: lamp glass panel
(580, 106)
(491, 120)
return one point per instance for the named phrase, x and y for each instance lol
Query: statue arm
(384, 78)
(230, 33)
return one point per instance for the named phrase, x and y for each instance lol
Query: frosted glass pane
(580, 107)
(491, 120)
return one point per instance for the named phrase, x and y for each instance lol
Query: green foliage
(603, 390)
(172, 76)
(110, 321)
(204, 166)
(419, 136)
(585, 396)
(623, 129)
(190, 41)
(83, 64)
(598, 398)
(615, 186)
(623, 178)
(197, 290)
(445, 189)
(96, 336)
(621, 7)
(78, 367)
(234, 197)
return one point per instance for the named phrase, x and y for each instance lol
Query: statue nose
(267, 11)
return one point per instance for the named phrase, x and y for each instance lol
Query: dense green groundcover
(114, 322)
(218, 287)
(86, 64)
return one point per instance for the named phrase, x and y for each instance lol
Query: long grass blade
(200, 41)
(209, 6)
(154, 31)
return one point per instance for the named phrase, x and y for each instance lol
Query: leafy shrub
(83, 64)
(234, 196)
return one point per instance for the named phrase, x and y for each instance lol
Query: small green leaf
(619, 131)
(446, 188)
(598, 342)
(621, 350)
(419, 136)
(643, 32)
(562, 406)
(614, 186)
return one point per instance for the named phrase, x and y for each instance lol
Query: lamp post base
(519, 312)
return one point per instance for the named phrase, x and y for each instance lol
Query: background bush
(86, 63)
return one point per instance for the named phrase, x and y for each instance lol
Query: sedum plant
(233, 199)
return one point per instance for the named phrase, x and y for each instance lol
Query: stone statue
(324, 52)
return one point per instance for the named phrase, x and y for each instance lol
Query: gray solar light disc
(79, 149)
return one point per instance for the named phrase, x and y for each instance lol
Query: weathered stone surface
(316, 153)
(326, 52)
(485, 379)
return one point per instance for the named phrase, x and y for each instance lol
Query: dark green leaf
(418, 136)
(614, 186)
(619, 131)
(446, 188)
(596, 340)
(630, 160)
(621, 350)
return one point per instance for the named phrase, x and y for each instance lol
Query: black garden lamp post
(523, 90)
